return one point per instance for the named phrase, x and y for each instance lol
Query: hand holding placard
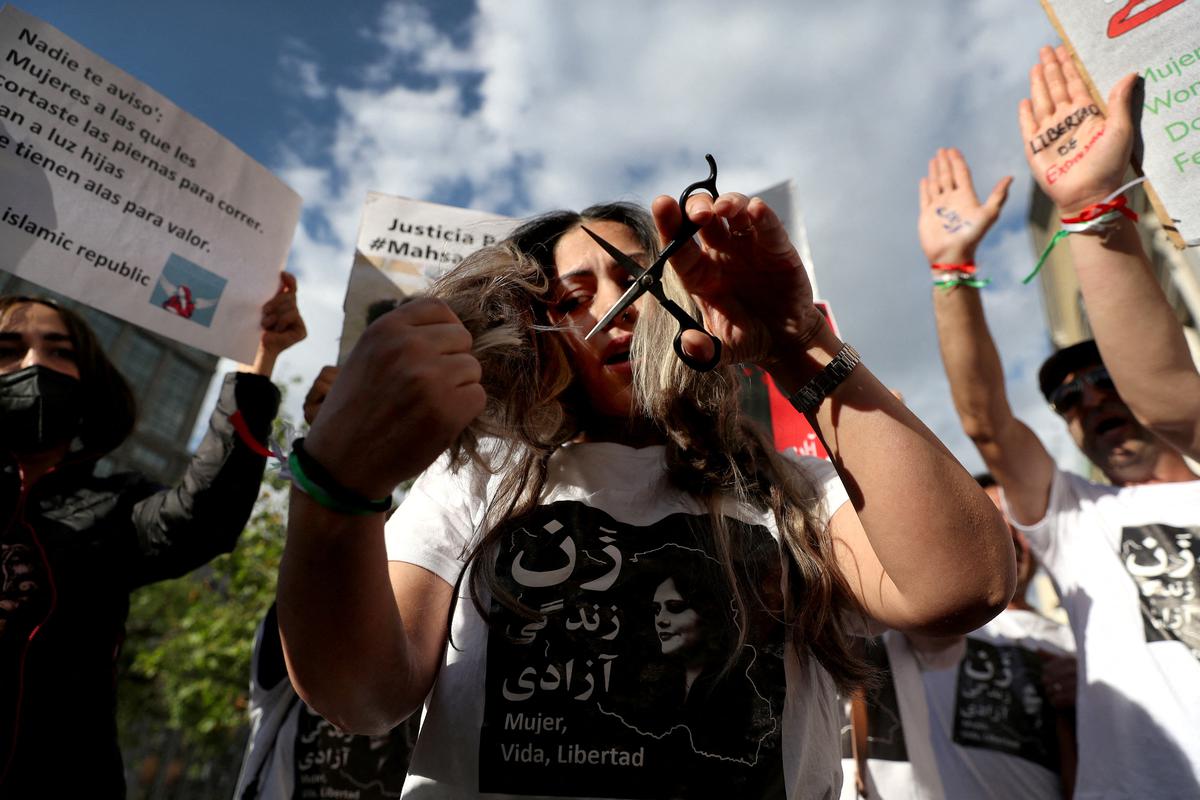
(282, 326)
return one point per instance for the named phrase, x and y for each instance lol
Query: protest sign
(112, 195)
(782, 199)
(402, 246)
(1161, 42)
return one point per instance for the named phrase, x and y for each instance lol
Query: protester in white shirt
(986, 715)
(1122, 555)
(546, 663)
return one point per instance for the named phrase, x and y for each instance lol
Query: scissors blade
(626, 300)
(623, 261)
(631, 294)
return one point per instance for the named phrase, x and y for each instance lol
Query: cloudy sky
(522, 106)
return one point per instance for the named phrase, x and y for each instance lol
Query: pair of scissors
(649, 279)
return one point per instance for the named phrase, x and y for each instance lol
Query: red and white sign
(790, 430)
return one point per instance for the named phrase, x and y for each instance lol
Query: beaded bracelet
(312, 479)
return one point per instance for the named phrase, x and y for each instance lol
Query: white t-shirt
(294, 754)
(971, 721)
(1124, 561)
(618, 691)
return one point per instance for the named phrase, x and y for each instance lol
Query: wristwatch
(808, 398)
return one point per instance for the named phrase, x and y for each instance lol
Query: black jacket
(71, 551)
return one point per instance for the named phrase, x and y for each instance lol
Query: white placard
(402, 246)
(113, 195)
(1161, 42)
(782, 199)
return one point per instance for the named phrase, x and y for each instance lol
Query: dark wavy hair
(700, 582)
(502, 294)
(109, 408)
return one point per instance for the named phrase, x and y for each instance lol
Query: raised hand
(318, 392)
(282, 325)
(407, 389)
(746, 276)
(1078, 156)
(952, 221)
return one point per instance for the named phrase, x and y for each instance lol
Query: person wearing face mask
(560, 475)
(73, 544)
(1122, 554)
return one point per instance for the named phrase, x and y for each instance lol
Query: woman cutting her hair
(508, 594)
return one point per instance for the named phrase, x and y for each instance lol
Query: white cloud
(549, 104)
(413, 44)
(300, 71)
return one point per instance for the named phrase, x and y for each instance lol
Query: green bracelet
(361, 508)
(948, 283)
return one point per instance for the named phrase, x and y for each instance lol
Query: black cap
(1065, 361)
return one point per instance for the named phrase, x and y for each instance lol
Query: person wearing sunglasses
(1069, 395)
(1122, 553)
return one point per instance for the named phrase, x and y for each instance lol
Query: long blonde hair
(502, 294)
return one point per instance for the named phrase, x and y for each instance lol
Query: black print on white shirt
(885, 730)
(624, 687)
(1000, 704)
(332, 764)
(1162, 561)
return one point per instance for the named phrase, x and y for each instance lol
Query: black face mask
(40, 408)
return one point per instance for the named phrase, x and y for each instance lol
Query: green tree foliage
(185, 667)
(184, 671)
(186, 662)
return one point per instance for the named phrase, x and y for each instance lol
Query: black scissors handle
(688, 228)
(709, 185)
(687, 323)
(684, 235)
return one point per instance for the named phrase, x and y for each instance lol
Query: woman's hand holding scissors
(745, 275)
